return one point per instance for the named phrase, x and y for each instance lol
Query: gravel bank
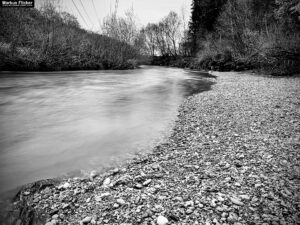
(233, 158)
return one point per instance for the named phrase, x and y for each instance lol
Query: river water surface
(55, 123)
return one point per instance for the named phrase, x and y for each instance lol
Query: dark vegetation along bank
(238, 35)
(46, 39)
(221, 35)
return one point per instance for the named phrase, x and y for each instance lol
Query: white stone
(55, 216)
(161, 220)
(86, 219)
(98, 198)
(64, 206)
(105, 194)
(64, 186)
(189, 203)
(236, 201)
(106, 182)
(247, 197)
(54, 222)
(138, 186)
(147, 182)
(178, 199)
(120, 201)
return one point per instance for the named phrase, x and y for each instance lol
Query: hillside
(46, 39)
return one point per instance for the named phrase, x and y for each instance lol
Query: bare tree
(121, 28)
(150, 38)
(172, 31)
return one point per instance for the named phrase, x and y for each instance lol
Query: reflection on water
(58, 122)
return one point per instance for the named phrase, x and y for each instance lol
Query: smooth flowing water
(53, 123)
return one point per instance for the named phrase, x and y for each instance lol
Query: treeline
(237, 35)
(246, 34)
(47, 39)
(163, 41)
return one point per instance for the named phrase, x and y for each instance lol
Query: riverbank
(276, 64)
(233, 158)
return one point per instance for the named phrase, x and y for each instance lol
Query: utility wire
(80, 14)
(95, 10)
(86, 14)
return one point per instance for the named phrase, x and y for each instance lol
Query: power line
(95, 11)
(86, 13)
(80, 14)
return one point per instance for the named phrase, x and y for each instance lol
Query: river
(60, 123)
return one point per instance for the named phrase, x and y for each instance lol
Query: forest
(47, 39)
(246, 34)
(233, 35)
(224, 35)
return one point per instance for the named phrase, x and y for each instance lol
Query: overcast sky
(145, 10)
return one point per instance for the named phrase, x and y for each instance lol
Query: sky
(145, 10)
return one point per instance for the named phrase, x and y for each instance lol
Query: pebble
(220, 209)
(213, 203)
(189, 211)
(138, 186)
(64, 206)
(55, 216)
(258, 185)
(227, 179)
(161, 220)
(86, 220)
(200, 205)
(120, 201)
(220, 199)
(53, 222)
(50, 223)
(64, 186)
(147, 182)
(215, 221)
(105, 194)
(246, 197)
(97, 198)
(237, 184)
(236, 201)
(180, 199)
(232, 217)
(115, 171)
(189, 203)
(106, 182)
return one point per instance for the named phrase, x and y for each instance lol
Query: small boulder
(236, 201)
(147, 182)
(86, 220)
(161, 220)
(138, 186)
(106, 182)
(120, 201)
(116, 205)
(64, 186)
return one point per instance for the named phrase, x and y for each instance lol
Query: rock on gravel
(161, 220)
